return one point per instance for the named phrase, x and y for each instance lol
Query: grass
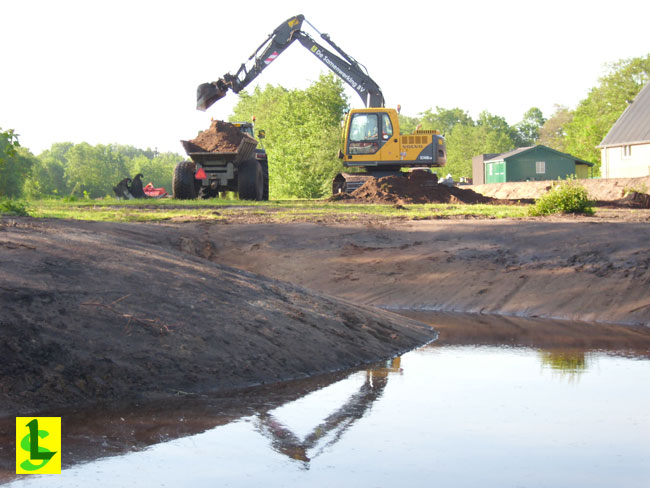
(113, 210)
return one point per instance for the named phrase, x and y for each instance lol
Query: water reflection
(472, 409)
(332, 428)
(569, 364)
(105, 431)
(563, 345)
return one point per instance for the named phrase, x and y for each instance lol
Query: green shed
(534, 163)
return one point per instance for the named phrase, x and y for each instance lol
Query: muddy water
(495, 402)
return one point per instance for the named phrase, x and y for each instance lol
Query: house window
(540, 167)
(627, 151)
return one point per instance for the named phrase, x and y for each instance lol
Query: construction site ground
(106, 311)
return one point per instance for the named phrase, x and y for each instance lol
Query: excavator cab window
(364, 134)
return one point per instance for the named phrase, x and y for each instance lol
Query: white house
(625, 150)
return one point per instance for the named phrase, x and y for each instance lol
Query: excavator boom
(280, 39)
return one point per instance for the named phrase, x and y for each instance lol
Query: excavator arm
(343, 65)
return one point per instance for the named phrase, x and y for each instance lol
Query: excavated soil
(566, 267)
(101, 312)
(421, 187)
(607, 192)
(410, 188)
(219, 137)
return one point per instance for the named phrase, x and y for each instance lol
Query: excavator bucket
(208, 93)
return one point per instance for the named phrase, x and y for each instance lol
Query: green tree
(596, 114)
(490, 134)
(48, 172)
(15, 165)
(93, 170)
(8, 143)
(407, 124)
(527, 131)
(157, 170)
(444, 119)
(553, 132)
(302, 133)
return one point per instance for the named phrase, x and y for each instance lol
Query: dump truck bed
(199, 155)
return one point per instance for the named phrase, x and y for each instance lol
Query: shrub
(567, 196)
(12, 207)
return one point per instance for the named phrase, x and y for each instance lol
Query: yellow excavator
(371, 140)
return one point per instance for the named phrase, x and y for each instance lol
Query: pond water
(495, 402)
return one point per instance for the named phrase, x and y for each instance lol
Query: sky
(126, 72)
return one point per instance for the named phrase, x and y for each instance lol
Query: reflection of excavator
(371, 138)
(332, 428)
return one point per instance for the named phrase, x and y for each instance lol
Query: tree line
(303, 135)
(79, 170)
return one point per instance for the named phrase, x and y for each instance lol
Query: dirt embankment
(566, 267)
(602, 190)
(102, 312)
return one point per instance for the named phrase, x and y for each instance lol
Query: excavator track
(348, 182)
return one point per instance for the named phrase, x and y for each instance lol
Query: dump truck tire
(265, 176)
(184, 186)
(250, 180)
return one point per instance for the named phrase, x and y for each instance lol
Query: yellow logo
(293, 22)
(38, 445)
(314, 48)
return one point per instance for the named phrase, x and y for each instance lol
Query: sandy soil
(102, 312)
(603, 190)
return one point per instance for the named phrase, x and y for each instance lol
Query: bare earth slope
(97, 311)
(603, 190)
(571, 268)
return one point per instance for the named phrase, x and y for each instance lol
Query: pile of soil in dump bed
(414, 187)
(220, 137)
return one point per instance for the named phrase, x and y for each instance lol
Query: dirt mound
(414, 187)
(600, 189)
(219, 137)
(95, 312)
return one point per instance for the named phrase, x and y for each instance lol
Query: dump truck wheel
(250, 180)
(184, 186)
(265, 176)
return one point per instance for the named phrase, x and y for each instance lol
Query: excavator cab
(371, 138)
